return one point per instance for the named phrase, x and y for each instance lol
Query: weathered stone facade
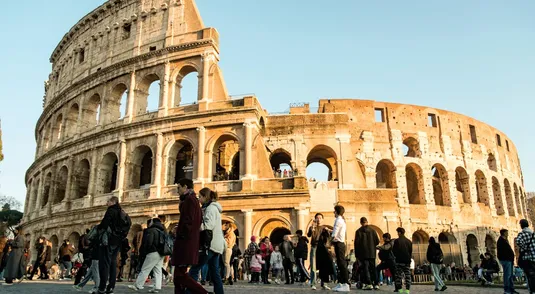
(434, 172)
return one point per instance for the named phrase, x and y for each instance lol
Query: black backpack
(165, 244)
(123, 226)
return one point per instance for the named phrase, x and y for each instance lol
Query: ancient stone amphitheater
(434, 172)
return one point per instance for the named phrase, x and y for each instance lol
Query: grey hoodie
(212, 221)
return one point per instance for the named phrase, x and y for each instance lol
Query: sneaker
(325, 287)
(154, 291)
(376, 287)
(337, 287)
(367, 287)
(134, 288)
(77, 288)
(343, 288)
(313, 287)
(444, 288)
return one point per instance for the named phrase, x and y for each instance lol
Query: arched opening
(61, 185)
(148, 95)
(277, 236)
(72, 120)
(92, 111)
(385, 175)
(58, 128)
(519, 203)
(107, 174)
(411, 147)
(472, 248)
(322, 155)
(136, 228)
(54, 241)
(491, 162)
(415, 185)
(450, 248)
(509, 198)
(226, 159)
(74, 238)
(481, 188)
(462, 184)
(187, 87)
(81, 179)
(498, 203)
(440, 185)
(490, 245)
(117, 103)
(153, 99)
(47, 185)
(180, 162)
(281, 163)
(420, 242)
(141, 168)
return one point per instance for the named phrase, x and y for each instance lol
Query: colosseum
(434, 172)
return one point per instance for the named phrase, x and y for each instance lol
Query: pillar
(206, 60)
(68, 186)
(248, 134)
(131, 97)
(302, 215)
(39, 194)
(122, 170)
(158, 166)
(92, 189)
(201, 141)
(164, 105)
(247, 226)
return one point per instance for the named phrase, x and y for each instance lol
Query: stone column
(206, 61)
(248, 134)
(302, 214)
(164, 106)
(122, 170)
(201, 141)
(39, 194)
(92, 189)
(158, 166)
(70, 175)
(247, 226)
(129, 116)
(52, 189)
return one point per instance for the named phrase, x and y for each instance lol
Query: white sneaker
(337, 287)
(313, 287)
(343, 288)
(325, 287)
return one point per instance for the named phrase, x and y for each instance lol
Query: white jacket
(212, 221)
(276, 260)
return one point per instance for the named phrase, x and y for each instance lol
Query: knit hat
(253, 238)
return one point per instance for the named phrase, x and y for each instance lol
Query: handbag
(205, 238)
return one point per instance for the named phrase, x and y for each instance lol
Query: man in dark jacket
(48, 258)
(403, 252)
(40, 261)
(366, 241)
(490, 267)
(150, 248)
(108, 254)
(388, 260)
(288, 259)
(300, 254)
(506, 256)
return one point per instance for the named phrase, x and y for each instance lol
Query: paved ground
(36, 287)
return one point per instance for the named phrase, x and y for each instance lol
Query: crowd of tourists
(203, 250)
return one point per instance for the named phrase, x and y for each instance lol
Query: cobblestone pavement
(36, 287)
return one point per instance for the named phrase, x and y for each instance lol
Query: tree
(9, 216)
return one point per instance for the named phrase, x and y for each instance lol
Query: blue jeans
(212, 260)
(313, 266)
(65, 267)
(204, 272)
(508, 286)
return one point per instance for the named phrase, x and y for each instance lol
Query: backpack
(165, 244)
(123, 226)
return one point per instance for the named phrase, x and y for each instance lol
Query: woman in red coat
(266, 248)
(186, 248)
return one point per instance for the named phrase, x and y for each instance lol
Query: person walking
(436, 258)
(300, 253)
(48, 258)
(266, 248)
(339, 236)
(91, 254)
(230, 239)
(277, 265)
(526, 259)
(211, 255)
(249, 253)
(125, 248)
(116, 225)
(256, 266)
(506, 256)
(235, 261)
(186, 247)
(66, 250)
(386, 255)
(153, 261)
(15, 267)
(366, 242)
(40, 261)
(314, 233)
(402, 250)
(288, 260)
(83, 247)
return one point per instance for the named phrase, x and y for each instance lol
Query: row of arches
(102, 109)
(386, 179)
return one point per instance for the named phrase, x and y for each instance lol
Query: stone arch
(180, 159)
(47, 187)
(441, 191)
(277, 235)
(71, 121)
(420, 242)
(497, 192)
(415, 184)
(411, 147)
(327, 156)
(117, 102)
(280, 157)
(378, 231)
(58, 128)
(143, 95)
(61, 185)
(491, 162)
(385, 175)
(509, 198)
(107, 174)
(141, 167)
(80, 179)
(490, 244)
(450, 248)
(92, 111)
(265, 226)
(519, 203)
(225, 159)
(74, 238)
(481, 188)
(55, 244)
(182, 79)
(472, 248)
(462, 185)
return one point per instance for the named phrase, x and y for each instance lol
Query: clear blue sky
(472, 57)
